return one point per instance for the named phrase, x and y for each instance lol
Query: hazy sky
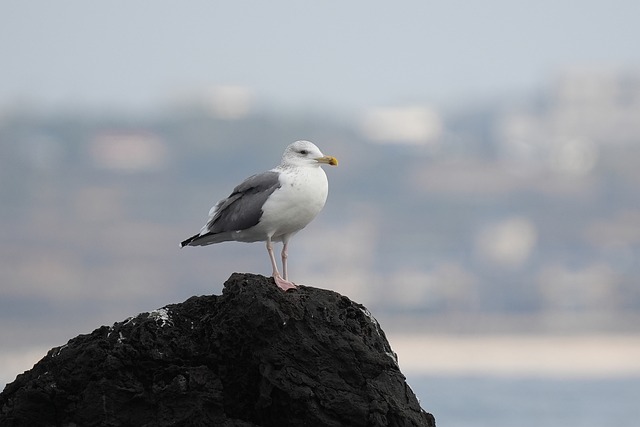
(350, 54)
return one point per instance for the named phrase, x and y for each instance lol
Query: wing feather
(243, 208)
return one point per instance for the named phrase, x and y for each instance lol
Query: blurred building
(128, 151)
(581, 111)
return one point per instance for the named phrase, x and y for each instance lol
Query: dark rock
(254, 356)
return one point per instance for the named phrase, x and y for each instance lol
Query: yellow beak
(330, 160)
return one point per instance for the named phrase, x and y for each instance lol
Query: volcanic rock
(253, 356)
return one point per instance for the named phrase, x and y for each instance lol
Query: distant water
(529, 402)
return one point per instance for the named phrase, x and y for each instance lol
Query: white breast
(296, 203)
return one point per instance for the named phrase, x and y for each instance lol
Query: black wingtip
(189, 240)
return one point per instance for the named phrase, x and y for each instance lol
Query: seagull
(271, 206)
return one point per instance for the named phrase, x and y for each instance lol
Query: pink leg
(285, 255)
(282, 283)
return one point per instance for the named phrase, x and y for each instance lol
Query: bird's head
(305, 153)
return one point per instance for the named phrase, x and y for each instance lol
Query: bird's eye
(304, 152)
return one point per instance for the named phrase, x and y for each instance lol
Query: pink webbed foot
(285, 285)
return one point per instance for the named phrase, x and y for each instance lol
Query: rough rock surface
(253, 356)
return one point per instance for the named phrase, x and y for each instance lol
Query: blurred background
(486, 208)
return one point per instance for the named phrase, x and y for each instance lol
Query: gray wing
(243, 208)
